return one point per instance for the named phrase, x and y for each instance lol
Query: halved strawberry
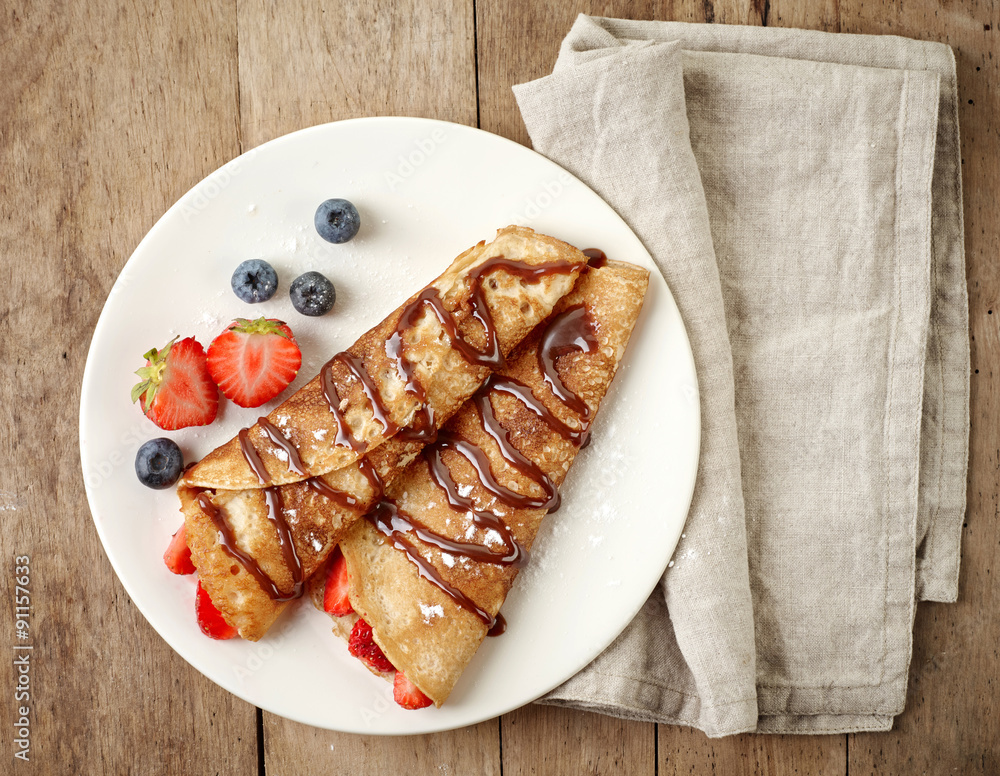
(338, 583)
(362, 645)
(407, 694)
(209, 618)
(178, 554)
(175, 389)
(254, 361)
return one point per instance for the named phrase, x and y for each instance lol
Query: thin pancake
(420, 627)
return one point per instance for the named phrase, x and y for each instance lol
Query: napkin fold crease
(801, 194)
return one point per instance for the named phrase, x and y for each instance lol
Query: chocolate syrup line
(498, 627)
(379, 410)
(275, 435)
(391, 523)
(511, 454)
(275, 513)
(515, 555)
(424, 431)
(252, 458)
(344, 437)
(348, 500)
(227, 540)
(595, 257)
(569, 331)
(479, 461)
(521, 392)
(481, 311)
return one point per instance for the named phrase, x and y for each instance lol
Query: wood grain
(108, 112)
(304, 63)
(307, 751)
(685, 751)
(547, 740)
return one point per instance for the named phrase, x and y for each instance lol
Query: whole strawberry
(254, 361)
(175, 389)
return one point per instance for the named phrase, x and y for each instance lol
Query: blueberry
(255, 281)
(312, 294)
(158, 463)
(337, 220)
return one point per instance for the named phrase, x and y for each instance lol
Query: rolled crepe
(264, 510)
(432, 564)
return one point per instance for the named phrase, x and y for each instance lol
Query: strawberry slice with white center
(178, 554)
(407, 694)
(176, 390)
(254, 361)
(338, 585)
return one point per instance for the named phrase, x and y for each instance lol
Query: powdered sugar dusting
(430, 611)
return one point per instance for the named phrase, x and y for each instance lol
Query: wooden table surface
(110, 110)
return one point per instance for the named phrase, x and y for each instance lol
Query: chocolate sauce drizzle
(491, 356)
(275, 435)
(568, 332)
(578, 436)
(394, 524)
(344, 437)
(423, 428)
(595, 257)
(275, 513)
(227, 540)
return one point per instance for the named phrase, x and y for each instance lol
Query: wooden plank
(686, 751)
(346, 59)
(308, 751)
(108, 112)
(551, 741)
(341, 60)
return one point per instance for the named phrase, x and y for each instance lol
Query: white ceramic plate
(426, 190)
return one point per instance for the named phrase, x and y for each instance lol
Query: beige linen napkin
(801, 193)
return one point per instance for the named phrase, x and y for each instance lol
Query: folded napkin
(801, 193)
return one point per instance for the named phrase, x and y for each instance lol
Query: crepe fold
(430, 566)
(264, 510)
